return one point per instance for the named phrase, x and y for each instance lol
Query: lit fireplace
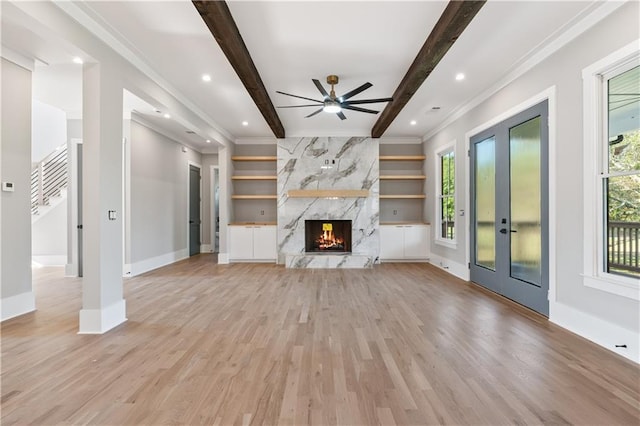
(327, 236)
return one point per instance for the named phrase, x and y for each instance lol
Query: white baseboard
(206, 248)
(50, 260)
(223, 258)
(71, 270)
(17, 305)
(597, 330)
(152, 263)
(98, 321)
(454, 268)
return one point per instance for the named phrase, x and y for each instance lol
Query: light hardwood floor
(260, 344)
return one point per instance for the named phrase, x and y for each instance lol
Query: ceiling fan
(335, 104)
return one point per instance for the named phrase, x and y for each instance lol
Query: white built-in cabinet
(252, 243)
(404, 242)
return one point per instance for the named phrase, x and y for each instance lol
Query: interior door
(509, 208)
(194, 210)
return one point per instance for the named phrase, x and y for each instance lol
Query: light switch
(8, 186)
(112, 215)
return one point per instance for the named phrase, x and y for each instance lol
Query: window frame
(449, 148)
(595, 123)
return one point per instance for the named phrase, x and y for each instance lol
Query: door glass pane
(526, 227)
(485, 200)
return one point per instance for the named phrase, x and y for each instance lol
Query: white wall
(49, 236)
(619, 315)
(15, 207)
(49, 130)
(159, 193)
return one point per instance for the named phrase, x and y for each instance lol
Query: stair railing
(48, 178)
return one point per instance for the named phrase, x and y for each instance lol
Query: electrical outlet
(261, 212)
(395, 212)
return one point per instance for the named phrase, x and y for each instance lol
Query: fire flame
(328, 240)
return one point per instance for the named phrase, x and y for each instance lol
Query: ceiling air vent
(191, 132)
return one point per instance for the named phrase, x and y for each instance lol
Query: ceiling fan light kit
(333, 104)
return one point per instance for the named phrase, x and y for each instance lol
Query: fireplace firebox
(327, 236)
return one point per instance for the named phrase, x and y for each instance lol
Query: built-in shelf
(404, 223)
(402, 157)
(254, 158)
(254, 197)
(402, 177)
(402, 197)
(252, 223)
(249, 177)
(328, 193)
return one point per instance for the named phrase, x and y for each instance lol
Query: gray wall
(15, 221)
(159, 191)
(564, 70)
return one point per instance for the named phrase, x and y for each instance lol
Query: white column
(103, 305)
(16, 294)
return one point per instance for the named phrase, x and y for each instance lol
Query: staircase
(48, 182)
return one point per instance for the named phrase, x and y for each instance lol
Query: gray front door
(509, 208)
(194, 210)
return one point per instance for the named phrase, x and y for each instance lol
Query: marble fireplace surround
(328, 178)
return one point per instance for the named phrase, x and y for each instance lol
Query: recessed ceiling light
(167, 116)
(245, 123)
(78, 60)
(208, 141)
(459, 76)
(206, 77)
(413, 122)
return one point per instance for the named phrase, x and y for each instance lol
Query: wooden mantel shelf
(328, 193)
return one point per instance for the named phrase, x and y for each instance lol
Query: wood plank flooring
(250, 344)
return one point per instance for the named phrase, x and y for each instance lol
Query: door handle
(504, 230)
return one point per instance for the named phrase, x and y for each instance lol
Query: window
(446, 196)
(612, 173)
(621, 172)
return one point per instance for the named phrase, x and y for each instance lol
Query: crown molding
(533, 58)
(76, 12)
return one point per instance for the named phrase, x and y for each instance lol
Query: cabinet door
(416, 241)
(240, 243)
(391, 242)
(264, 243)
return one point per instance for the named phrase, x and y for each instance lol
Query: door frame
(73, 267)
(549, 95)
(199, 167)
(212, 205)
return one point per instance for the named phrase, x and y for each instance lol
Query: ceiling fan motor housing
(332, 79)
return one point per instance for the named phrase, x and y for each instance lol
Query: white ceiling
(292, 42)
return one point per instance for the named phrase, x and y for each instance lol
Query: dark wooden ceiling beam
(217, 16)
(455, 18)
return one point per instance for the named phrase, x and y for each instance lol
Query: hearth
(327, 236)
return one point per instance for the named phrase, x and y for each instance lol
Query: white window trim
(444, 149)
(593, 270)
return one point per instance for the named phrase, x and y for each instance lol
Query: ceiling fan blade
(370, 111)
(341, 115)
(320, 88)
(297, 106)
(367, 101)
(354, 92)
(314, 113)
(301, 97)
